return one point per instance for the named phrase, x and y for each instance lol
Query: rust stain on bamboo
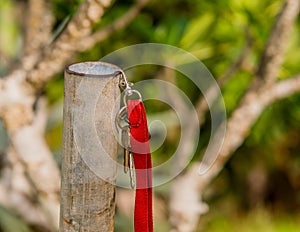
(68, 221)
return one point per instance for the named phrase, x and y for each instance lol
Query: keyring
(128, 93)
(122, 115)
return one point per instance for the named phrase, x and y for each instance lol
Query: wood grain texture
(87, 201)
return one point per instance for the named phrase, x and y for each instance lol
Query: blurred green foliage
(10, 223)
(216, 32)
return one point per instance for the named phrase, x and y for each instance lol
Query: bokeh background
(259, 187)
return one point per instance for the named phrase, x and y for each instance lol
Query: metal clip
(123, 82)
(125, 85)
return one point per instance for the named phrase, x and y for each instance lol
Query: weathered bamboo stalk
(89, 148)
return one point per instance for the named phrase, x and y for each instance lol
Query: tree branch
(39, 25)
(282, 89)
(64, 47)
(238, 127)
(273, 54)
(37, 31)
(26, 130)
(185, 202)
(263, 92)
(17, 193)
(117, 25)
(18, 92)
(188, 119)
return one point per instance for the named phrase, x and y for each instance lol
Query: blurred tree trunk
(263, 91)
(30, 178)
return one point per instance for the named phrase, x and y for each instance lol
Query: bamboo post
(89, 148)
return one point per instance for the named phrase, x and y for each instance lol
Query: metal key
(126, 146)
(128, 157)
(131, 171)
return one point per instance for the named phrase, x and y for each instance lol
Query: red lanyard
(139, 141)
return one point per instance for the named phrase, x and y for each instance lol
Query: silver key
(128, 157)
(126, 146)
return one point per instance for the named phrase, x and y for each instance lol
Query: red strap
(139, 140)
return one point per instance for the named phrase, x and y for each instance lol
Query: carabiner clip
(123, 82)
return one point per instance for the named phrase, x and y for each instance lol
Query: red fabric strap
(139, 141)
